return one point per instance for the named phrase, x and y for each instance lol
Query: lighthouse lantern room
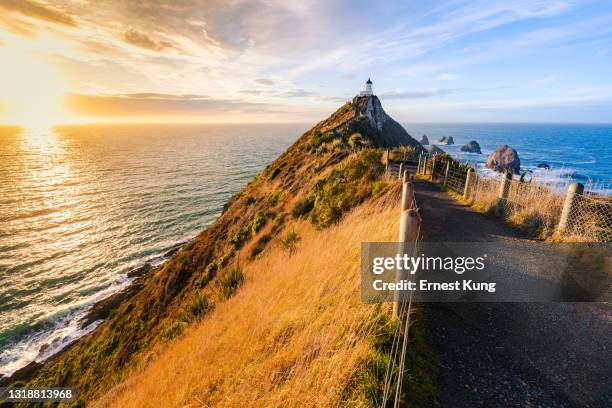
(368, 89)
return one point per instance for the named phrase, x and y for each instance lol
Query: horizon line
(17, 125)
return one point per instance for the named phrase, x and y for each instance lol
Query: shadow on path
(511, 354)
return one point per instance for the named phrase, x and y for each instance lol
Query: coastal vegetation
(294, 334)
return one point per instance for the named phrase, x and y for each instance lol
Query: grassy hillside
(294, 334)
(329, 171)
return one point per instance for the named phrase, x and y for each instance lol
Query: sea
(81, 206)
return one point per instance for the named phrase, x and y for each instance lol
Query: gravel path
(512, 354)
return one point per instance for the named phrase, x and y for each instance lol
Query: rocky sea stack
(424, 140)
(433, 149)
(446, 140)
(471, 147)
(503, 159)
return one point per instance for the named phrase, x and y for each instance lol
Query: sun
(30, 89)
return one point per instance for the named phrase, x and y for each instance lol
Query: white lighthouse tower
(368, 89)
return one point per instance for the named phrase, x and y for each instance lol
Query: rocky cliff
(365, 115)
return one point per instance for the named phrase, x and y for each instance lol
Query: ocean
(574, 152)
(81, 206)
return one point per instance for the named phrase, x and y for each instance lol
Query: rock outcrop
(503, 159)
(433, 149)
(446, 140)
(471, 147)
(424, 140)
(365, 115)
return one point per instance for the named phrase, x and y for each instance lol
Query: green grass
(344, 188)
(196, 307)
(366, 387)
(257, 222)
(260, 245)
(303, 207)
(274, 198)
(230, 283)
(240, 237)
(379, 186)
(289, 240)
(173, 329)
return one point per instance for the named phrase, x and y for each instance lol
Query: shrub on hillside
(319, 138)
(230, 282)
(274, 198)
(212, 268)
(289, 240)
(260, 245)
(357, 142)
(240, 237)
(345, 187)
(303, 207)
(173, 330)
(379, 186)
(198, 305)
(257, 222)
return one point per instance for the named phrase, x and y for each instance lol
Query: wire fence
(534, 206)
(396, 366)
(590, 219)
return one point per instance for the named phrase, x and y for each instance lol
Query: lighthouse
(368, 89)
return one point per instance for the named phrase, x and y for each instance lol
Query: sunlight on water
(83, 205)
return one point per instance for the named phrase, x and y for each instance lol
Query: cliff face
(365, 115)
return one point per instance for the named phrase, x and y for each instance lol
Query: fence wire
(590, 219)
(534, 205)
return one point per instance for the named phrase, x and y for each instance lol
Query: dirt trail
(512, 354)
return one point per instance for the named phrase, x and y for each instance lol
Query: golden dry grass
(293, 335)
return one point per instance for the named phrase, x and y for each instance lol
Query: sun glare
(30, 89)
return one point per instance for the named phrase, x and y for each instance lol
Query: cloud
(448, 77)
(421, 94)
(589, 96)
(295, 93)
(141, 40)
(544, 81)
(251, 91)
(38, 11)
(336, 99)
(153, 95)
(264, 81)
(17, 26)
(151, 104)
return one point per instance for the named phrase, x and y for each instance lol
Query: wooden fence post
(418, 171)
(401, 168)
(433, 168)
(502, 198)
(446, 172)
(387, 161)
(467, 190)
(407, 176)
(407, 197)
(573, 191)
(408, 233)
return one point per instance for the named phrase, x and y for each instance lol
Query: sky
(78, 61)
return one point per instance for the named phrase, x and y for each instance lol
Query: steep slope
(329, 170)
(295, 334)
(366, 115)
